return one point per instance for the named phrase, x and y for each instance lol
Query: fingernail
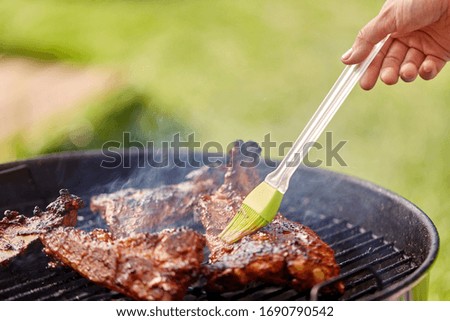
(347, 54)
(429, 70)
(408, 72)
(385, 74)
(427, 67)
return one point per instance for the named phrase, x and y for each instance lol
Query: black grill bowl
(384, 244)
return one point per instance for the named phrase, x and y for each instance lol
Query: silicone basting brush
(262, 203)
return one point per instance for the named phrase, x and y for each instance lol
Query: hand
(419, 42)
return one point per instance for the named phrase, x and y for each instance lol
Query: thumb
(372, 33)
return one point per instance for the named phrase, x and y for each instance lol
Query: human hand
(419, 42)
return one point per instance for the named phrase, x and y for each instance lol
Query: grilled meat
(131, 211)
(283, 253)
(156, 266)
(18, 231)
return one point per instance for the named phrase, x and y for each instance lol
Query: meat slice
(157, 266)
(131, 211)
(18, 231)
(283, 252)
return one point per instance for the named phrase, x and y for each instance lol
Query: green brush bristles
(245, 222)
(258, 209)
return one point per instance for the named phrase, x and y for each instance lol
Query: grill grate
(368, 264)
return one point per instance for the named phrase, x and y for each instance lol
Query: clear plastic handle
(280, 177)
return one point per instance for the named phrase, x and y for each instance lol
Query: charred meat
(156, 266)
(283, 253)
(131, 211)
(18, 231)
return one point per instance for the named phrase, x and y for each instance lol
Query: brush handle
(280, 177)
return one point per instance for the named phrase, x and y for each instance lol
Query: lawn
(238, 69)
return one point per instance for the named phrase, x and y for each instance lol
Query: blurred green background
(231, 69)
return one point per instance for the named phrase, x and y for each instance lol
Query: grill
(383, 243)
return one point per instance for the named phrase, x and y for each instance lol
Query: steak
(17, 231)
(157, 266)
(131, 211)
(282, 253)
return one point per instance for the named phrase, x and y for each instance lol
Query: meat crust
(283, 252)
(157, 266)
(131, 211)
(17, 231)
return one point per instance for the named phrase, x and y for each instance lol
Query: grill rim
(394, 290)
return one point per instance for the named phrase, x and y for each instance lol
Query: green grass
(241, 69)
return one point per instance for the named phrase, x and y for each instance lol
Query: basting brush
(262, 203)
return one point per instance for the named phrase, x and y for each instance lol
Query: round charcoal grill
(384, 244)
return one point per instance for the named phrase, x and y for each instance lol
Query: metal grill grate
(368, 264)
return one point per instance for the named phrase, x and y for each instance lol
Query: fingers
(430, 67)
(369, 79)
(387, 62)
(395, 56)
(410, 67)
(397, 60)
